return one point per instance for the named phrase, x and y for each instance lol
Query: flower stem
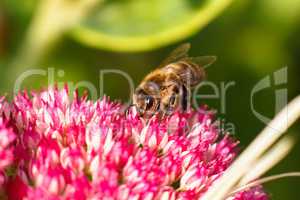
(270, 159)
(265, 180)
(270, 134)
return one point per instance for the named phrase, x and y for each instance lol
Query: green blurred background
(252, 39)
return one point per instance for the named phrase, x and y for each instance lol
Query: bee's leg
(163, 115)
(158, 107)
(184, 98)
(172, 103)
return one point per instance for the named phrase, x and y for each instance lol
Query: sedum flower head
(7, 137)
(73, 148)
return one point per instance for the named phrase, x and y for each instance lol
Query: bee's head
(146, 99)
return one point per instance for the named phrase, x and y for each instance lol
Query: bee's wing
(177, 54)
(202, 61)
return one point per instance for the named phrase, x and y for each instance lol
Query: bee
(168, 87)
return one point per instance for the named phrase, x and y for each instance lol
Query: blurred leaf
(282, 11)
(139, 25)
(21, 8)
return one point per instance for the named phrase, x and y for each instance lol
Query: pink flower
(79, 149)
(7, 137)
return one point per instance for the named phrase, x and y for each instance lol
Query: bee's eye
(149, 101)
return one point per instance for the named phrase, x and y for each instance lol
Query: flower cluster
(73, 148)
(7, 137)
